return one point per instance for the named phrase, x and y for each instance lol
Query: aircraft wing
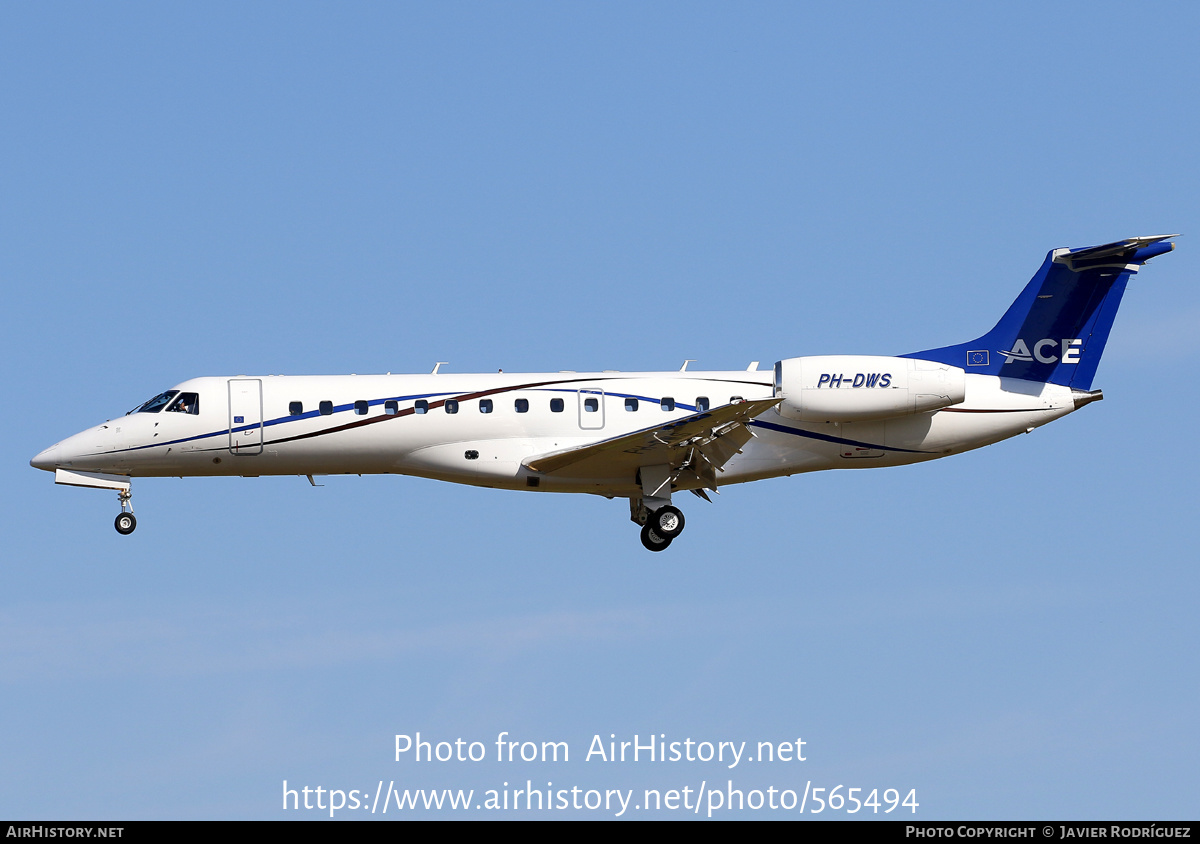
(699, 444)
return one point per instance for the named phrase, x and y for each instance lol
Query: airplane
(637, 435)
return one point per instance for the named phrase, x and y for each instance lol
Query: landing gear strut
(125, 522)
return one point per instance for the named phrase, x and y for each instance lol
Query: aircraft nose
(46, 459)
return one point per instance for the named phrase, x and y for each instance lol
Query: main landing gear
(652, 540)
(667, 521)
(125, 522)
(660, 521)
(659, 526)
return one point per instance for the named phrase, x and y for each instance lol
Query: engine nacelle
(853, 388)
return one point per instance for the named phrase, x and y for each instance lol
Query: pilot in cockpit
(187, 403)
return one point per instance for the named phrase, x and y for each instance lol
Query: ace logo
(1020, 351)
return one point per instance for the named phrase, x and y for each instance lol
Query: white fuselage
(636, 435)
(375, 424)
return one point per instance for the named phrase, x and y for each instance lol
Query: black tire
(667, 521)
(125, 523)
(652, 540)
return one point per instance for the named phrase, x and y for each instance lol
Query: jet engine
(853, 388)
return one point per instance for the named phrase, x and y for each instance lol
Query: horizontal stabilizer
(1124, 248)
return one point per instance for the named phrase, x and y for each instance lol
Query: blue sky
(304, 188)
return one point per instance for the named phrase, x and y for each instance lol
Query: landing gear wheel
(667, 521)
(125, 523)
(653, 540)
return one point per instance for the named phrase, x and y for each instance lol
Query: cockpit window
(186, 403)
(155, 404)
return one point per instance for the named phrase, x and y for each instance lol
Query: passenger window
(391, 408)
(591, 405)
(556, 405)
(485, 405)
(667, 403)
(631, 405)
(186, 403)
(421, 406)
(702, 404)
(522, 405)
(360, 408)
(326, 408)
(296, 408)
(451, 406)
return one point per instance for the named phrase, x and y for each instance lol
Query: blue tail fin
(1056, 329)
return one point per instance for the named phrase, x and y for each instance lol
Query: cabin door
(245, 416)
(591, 409)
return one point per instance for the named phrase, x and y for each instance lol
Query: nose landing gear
(125, 521)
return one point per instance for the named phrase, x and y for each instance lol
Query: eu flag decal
(977, 358)
(238, 419)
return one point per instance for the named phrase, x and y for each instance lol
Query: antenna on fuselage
(436, 365)
(685, 363)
